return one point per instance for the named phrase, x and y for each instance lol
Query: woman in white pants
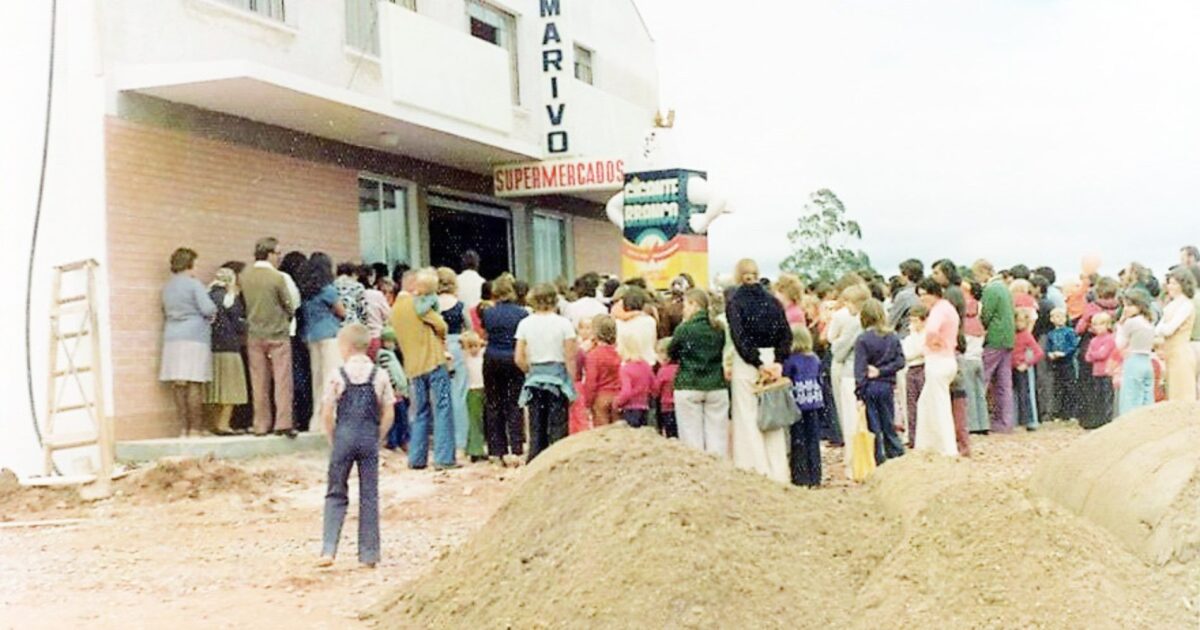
(935, 418)
(321, 315)
(762, 338)
(842, 347)
(701, 396)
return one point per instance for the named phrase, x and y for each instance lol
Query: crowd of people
(495, 370)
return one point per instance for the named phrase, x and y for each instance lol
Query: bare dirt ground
(190, 555)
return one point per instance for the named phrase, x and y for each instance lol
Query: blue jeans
(976, 390)
(1137, 383)
(397, 436)
(431, 405)
(881, 419)
(355, 443)
(458, 391)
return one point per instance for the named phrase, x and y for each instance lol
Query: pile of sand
(174, 478)
(980, 553)
(1138, 478)
(620, 528)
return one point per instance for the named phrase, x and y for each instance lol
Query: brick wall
(597, 246)
(169, 189)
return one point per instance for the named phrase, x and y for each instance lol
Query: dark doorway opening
(453, 232)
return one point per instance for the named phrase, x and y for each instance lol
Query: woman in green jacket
(701, 393)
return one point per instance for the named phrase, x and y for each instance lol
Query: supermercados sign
(558, 176)
(659, 243)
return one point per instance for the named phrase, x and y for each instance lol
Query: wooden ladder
(69, 347)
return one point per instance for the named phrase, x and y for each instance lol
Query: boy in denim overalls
(361, 398)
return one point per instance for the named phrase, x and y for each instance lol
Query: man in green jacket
(998, 317)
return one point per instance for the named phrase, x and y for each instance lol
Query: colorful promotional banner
(658, 245)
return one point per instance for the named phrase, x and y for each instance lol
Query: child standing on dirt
(1101, 354)
(1061, 344)
(546, 346)
(914, 356)
(387, 360)
(877, 359)
(664, 390)
(473, 347)
(803, 368)
(1025, 356)
(357, 411)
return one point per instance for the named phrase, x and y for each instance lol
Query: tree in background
(822, 238)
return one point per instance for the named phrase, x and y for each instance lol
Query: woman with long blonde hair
(762, 339)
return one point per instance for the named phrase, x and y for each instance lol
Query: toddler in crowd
(1025, 355)
(664, 390)
(1102, 355)
(378, 311)
(914, 356)
(473, 348)
(1061, 344)
(602, 372)
(637, 383)
(877, 358)
(387, 359)
(578, 418)
(803, 368)
(357, 411)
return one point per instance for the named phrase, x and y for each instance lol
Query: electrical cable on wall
(37, 218)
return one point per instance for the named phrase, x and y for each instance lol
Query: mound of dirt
(19, 502)
(1138, 478)
(174, 478)
(620, 528)
(979, 553)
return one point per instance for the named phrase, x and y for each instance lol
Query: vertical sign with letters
(558, 141)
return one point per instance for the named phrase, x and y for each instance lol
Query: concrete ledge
(225, 447)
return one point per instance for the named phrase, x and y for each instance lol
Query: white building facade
(366, 129)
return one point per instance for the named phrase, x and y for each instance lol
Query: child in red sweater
(1102, 354)
(637, 383)
(664, 390)
(602, 372)
(1025, 355)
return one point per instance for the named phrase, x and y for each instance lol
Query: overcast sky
(1018, 130)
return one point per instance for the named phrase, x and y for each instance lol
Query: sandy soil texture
(177, 549)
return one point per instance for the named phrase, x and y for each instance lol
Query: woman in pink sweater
(935, 418)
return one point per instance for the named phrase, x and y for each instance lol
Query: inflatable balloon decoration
(664, 212)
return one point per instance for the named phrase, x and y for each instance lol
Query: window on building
(362, 23)
(382, 221)
(549, 248)
(583, 64)
(267, 8)
(500, 28)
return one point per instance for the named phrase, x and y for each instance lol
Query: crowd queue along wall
(369, 131)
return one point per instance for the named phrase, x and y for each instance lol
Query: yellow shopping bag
(862, 447)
